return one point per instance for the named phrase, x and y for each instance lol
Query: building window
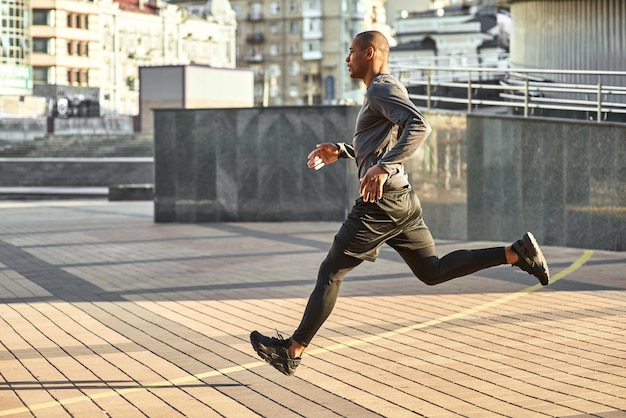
(274, 90)
(41, 17)
(312, 46)
(312, 5)
(83, 49)
(293, 7)
(294, 27)
(14, 40)
(294, 90)
(73, 48)
(75, 20)
(258, 90)
(313, 25)
(40, 75)
(294, 68)
(273, 50)
(40, 45)
(256, 11)
(274, 8)
(76, 77)
(274, 71)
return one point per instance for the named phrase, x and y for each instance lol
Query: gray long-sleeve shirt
(386, 111)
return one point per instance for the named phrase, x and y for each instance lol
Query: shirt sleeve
(393, 103)
(345, 150)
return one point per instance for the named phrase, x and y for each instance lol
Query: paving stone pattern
(105, 313)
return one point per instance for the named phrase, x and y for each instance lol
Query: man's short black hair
(375, 39)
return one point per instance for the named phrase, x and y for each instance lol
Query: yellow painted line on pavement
(500, 301)
(120, 392)
(192, 378)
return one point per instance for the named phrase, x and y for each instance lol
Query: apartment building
(67, 49)
(14, 49)
(94, 48)
(297, 48)
(136, 34)
(456, 35)
(66, 45)
(16, 76)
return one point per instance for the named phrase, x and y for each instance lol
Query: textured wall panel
(570, 34)
(250, 165)
(562, 180)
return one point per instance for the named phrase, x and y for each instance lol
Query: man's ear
(370, 52)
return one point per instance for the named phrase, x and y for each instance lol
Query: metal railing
(527, 92)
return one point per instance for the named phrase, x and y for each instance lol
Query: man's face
(357, 60)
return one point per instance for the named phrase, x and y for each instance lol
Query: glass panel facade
(15, 49)
(14, 35)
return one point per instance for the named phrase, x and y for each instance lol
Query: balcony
(312, 34)
(254, 58)
(358, 15)
(255, 16)
(312, 13)
(312, 55)
(255, 38)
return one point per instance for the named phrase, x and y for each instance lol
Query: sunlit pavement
(104, 312)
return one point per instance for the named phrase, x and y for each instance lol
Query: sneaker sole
(272, 359)
(263, 356)
(258, 347)
(545, 280)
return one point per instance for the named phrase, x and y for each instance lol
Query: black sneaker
(531, 259)
(274, 351)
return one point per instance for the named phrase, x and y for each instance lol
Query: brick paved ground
(103, 312)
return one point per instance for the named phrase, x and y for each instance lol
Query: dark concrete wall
(249, 164)
(478, 177)
(563, 180)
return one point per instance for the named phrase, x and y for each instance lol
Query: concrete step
(75, 172)
(82, 146)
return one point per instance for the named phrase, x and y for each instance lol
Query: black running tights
(424, 263)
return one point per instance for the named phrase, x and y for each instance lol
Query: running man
(389, 130)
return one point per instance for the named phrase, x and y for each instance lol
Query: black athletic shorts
(395, 219)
